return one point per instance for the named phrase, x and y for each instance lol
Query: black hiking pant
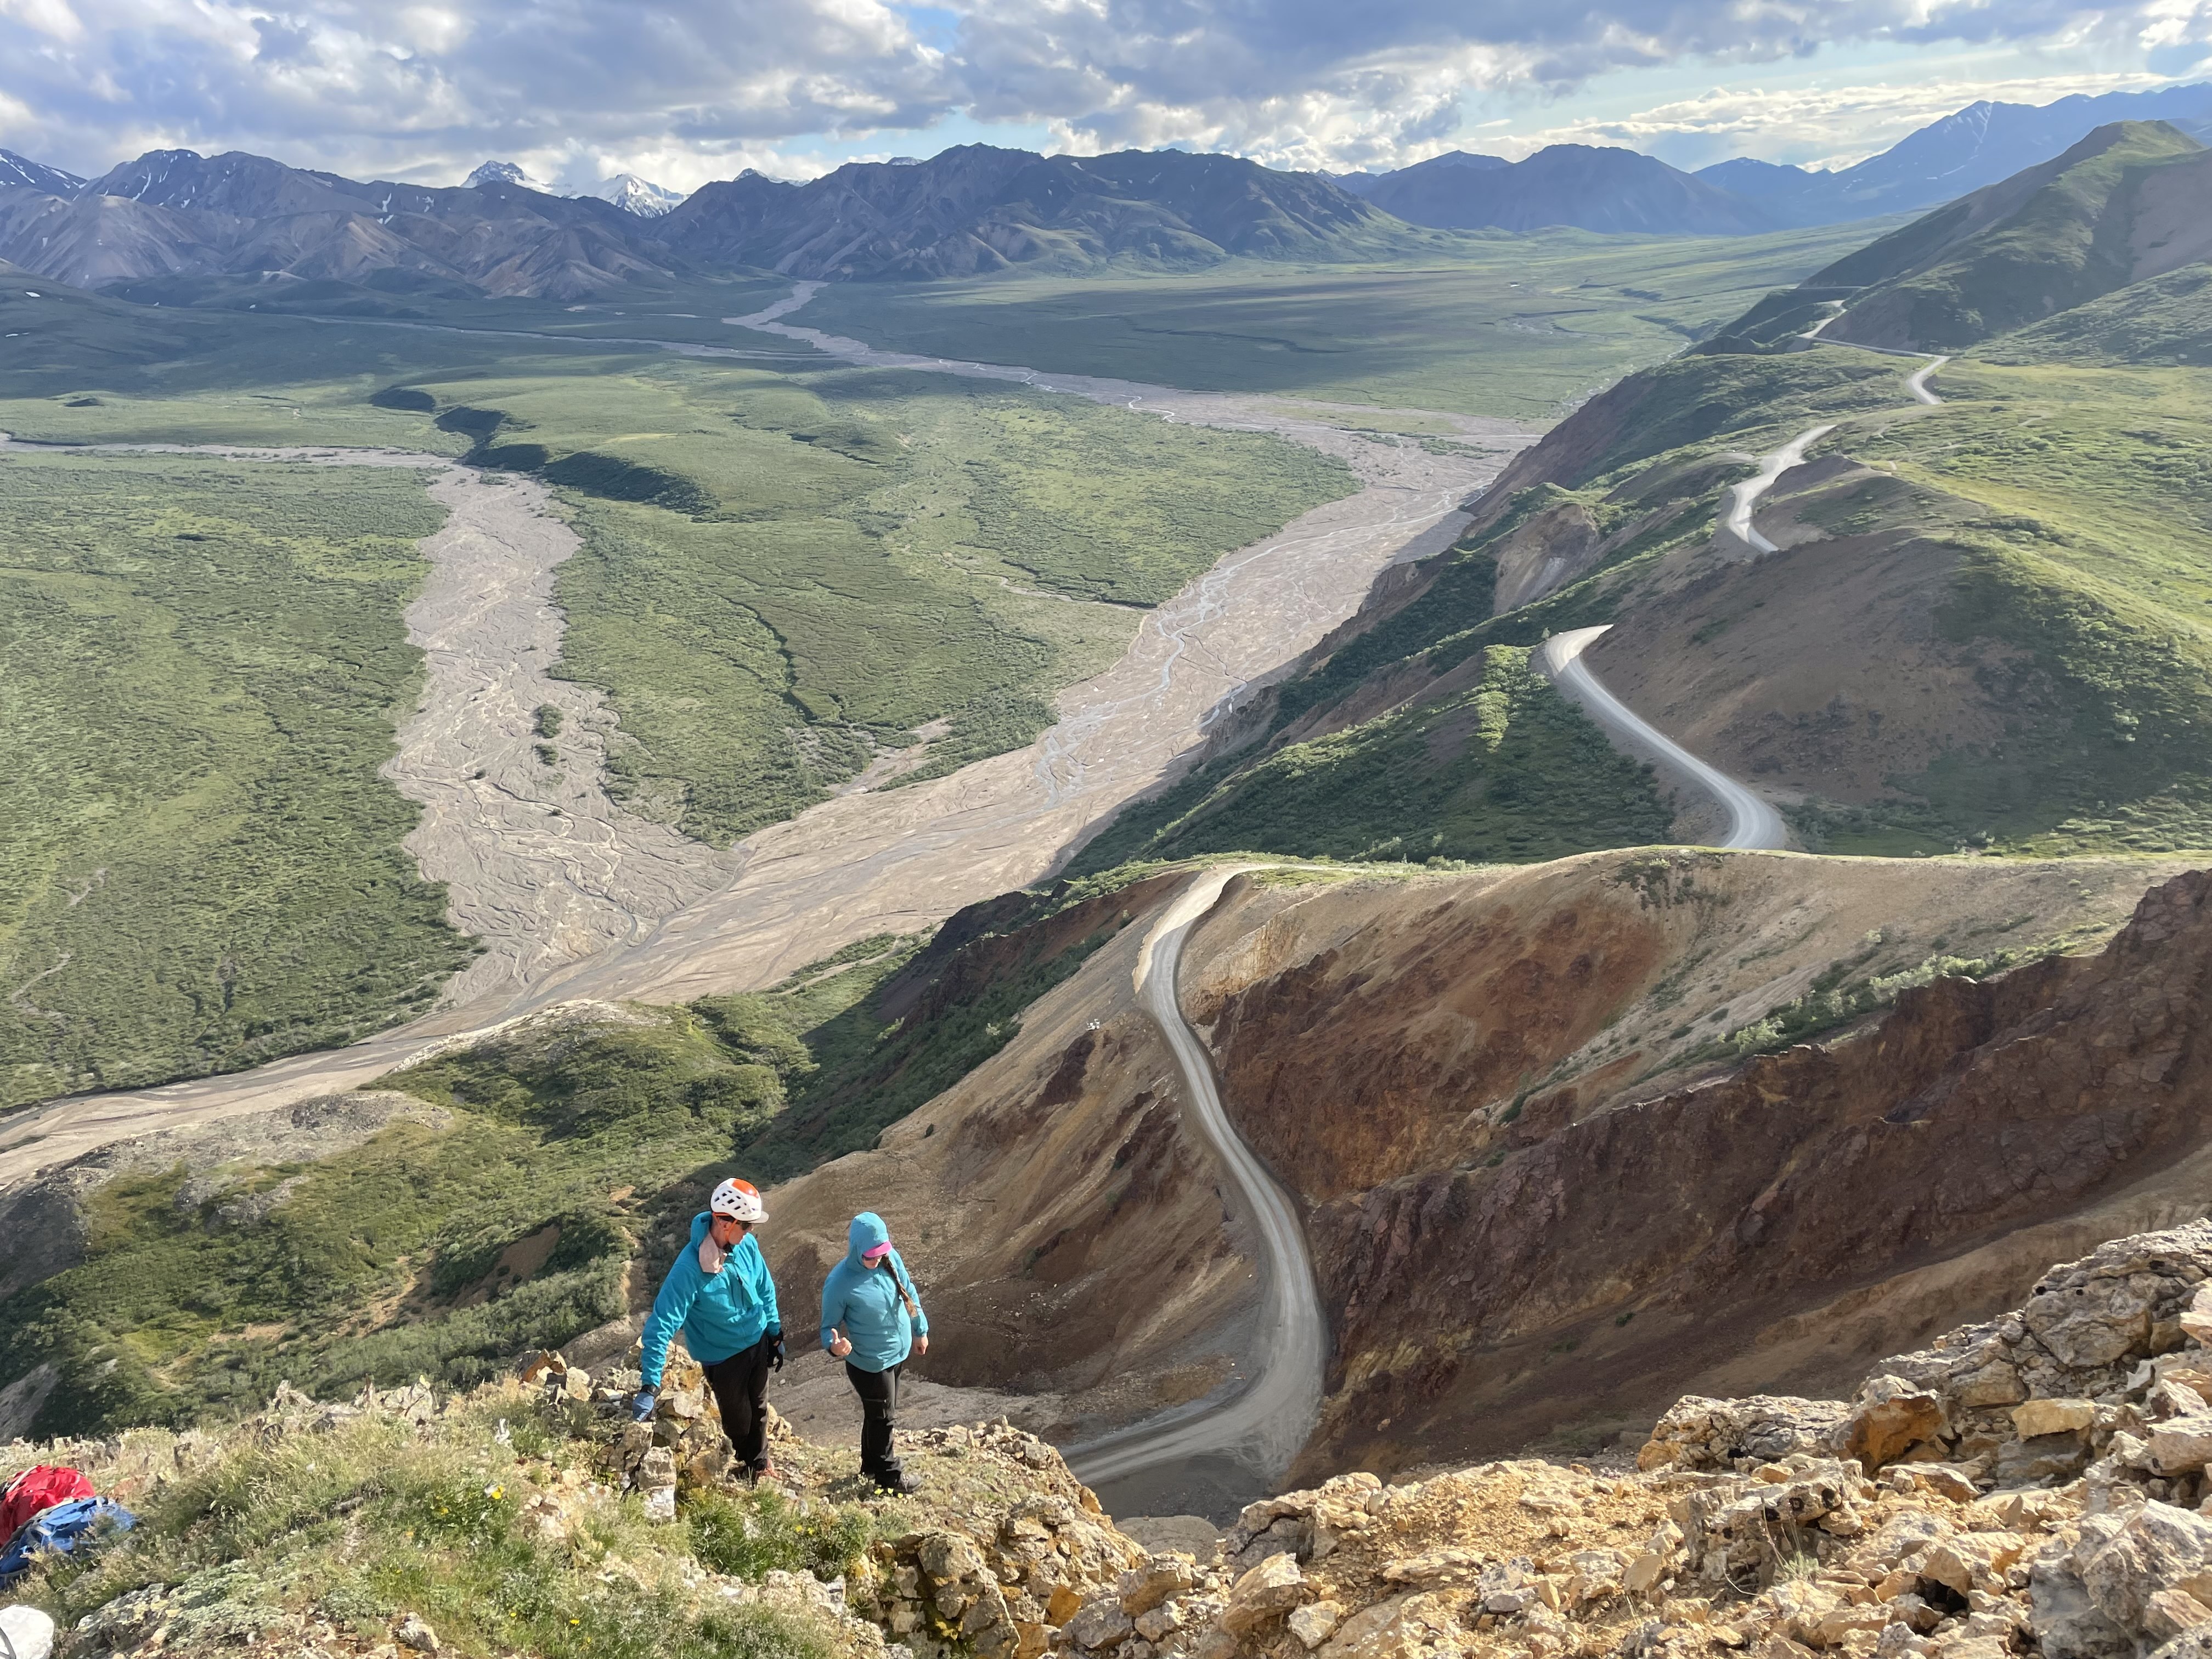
(740, 1386)
(878, 1392)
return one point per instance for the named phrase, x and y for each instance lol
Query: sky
(684, 91)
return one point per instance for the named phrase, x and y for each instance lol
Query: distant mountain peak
(21, 170)
(634, 195)
(1587, 187)
(505, 172)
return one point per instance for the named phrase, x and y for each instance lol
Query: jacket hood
(865, 1233)
(699, 1225)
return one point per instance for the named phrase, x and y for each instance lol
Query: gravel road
(1190, 1460)
(1752, 822)
(1744, 498)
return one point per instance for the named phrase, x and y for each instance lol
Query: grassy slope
(199, 868)
(2163, 323)
(1504, 770)
(1403, 784)
(382, 1263)
(256, 1535)
(2090, 570)
(1519, 327)
(2068, 243)
(2077, 501)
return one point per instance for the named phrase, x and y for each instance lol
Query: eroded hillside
(1515, 1105)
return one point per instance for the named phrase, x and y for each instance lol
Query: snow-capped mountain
(634, 195)
(626, 191)
(507, 173)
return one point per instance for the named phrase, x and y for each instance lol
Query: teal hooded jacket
(719, 1315)
(863, 1302)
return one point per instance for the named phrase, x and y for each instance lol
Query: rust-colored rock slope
(1504, 1264)
(1546, 1195)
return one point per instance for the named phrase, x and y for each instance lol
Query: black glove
(774, 1343)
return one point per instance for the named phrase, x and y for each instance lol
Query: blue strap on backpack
(62, 1529)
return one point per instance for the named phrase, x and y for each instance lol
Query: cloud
(686, 89)
(425, 91)
(1820, 127)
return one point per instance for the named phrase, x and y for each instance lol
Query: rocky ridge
(2034, 1487)
(2030, 1485)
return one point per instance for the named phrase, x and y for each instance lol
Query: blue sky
(682, 91)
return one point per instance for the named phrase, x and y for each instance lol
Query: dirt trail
(1260, 1430)
(565, 876)
(1752, 822)
(1915, 383)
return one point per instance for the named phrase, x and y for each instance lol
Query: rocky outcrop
(1552, 547)
(1748, 1529)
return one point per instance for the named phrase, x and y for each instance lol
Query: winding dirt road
(1259, 1429)
(1752, 822)
(1744, 497)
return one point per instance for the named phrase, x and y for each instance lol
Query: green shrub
(764, 1531)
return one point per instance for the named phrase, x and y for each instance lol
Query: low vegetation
(200, 866)
(484, 1523)
(1524, 327)
(831, 563)
(568, 1145)
(1503, 770)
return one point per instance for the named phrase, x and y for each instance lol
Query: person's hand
(840, 1344)
(774, 1341)
(641, 1408)
(921, 1343)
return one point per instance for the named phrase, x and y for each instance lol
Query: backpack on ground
(65, 1529)
(37, 1490)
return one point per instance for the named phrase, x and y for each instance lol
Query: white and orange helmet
(740, 1201)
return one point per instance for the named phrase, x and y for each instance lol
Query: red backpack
(34, 1492)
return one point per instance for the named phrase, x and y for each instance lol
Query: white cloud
(1820, 127)
(682, 90)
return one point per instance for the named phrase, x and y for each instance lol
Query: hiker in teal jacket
(721, 1295)
(871, 1319)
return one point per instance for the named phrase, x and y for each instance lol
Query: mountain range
(978, 208)
(182, 221)
(1590, 188)
(625, 190)
(1979, 145)
(1584, 186)
(181, 228)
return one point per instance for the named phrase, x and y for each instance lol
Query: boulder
(2181, 1445)
(2041, 1417)
(1891, 1417)
(1314, 1623)
(1101, 1624)
(1700, 1433)
(1142, 1588)
(1267, 1591)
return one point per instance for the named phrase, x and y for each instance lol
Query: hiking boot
(895, 1480)
(764, 1470)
